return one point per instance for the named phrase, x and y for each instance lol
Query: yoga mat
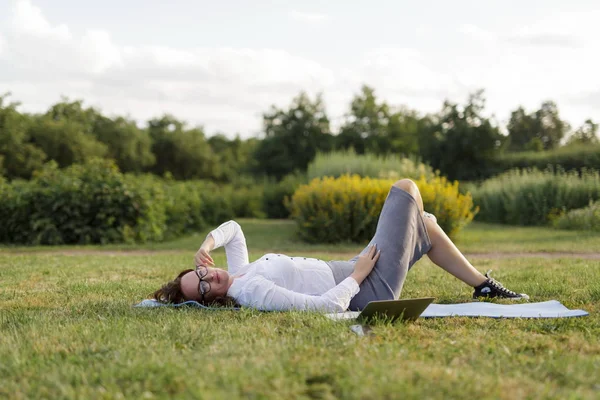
(546, 309)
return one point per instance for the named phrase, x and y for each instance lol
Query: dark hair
(171, 293)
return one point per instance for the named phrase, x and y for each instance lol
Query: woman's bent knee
(407, 185)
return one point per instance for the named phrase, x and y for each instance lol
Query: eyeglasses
(203, 286)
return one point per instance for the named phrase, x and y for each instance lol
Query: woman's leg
(446, 255)
(443, 252)
(401, 235)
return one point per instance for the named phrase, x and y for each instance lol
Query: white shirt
(280, 282)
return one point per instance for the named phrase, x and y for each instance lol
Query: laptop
(388, 310)
(393, 310)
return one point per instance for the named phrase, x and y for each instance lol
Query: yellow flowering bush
(330, 210)
(442, 198)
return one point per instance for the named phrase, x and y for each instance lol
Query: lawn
(279, 235)
(67, 328)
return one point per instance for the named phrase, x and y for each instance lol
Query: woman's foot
(492, 288)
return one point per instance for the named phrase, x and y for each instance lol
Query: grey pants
(402, 237)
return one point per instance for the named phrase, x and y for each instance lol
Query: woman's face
(215, 283)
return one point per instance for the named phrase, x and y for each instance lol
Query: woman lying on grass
(278, 282)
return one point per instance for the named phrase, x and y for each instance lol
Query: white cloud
(546, 40)
(308, 17)
(222, 88)
(405, 76)
(99, 52)
(227, 89)
(579, 27)
(40, 50)
(27, 18)
(476, 32)
(572, 29)
(550, 58)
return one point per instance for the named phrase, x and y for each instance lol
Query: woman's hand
(365, 264)
(203, 257)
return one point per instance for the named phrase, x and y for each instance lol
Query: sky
(222, 64)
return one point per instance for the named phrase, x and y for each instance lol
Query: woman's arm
(264, 294)
(230, 235)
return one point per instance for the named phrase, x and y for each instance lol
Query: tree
(521, 129)
(65, 133)
(460, 141)
(64, 140)
(184, 153)
(585, 134)
(365, 129)
(232, 156)
(72, 133)
(73, 111)
(526, 131)
(550, 128)
(19, 158)
(403, 128)
(374, 127)
(128, 145)
(293, 137)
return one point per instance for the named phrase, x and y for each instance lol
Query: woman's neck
(231, 279)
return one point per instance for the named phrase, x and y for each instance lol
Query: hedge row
(347, 162)
(82, 204)
(330, 210)
(587, 218)
(532, 197)
(568, 158)
(277, 194)
(95, 203)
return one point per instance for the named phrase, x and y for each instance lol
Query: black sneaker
(492, 288)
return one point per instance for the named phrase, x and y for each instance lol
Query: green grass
(279, 235)
(485, 238)
(67, 330)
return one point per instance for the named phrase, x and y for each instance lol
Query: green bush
(246, 202)
(587, 218)
(277, 193)
(191, 206)
(183, 206)
(531, 197)
(340, 163)
(7, 206)
(330, 210)
(223, 202)
(91, 203)
(568, 158)
(95, 203)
